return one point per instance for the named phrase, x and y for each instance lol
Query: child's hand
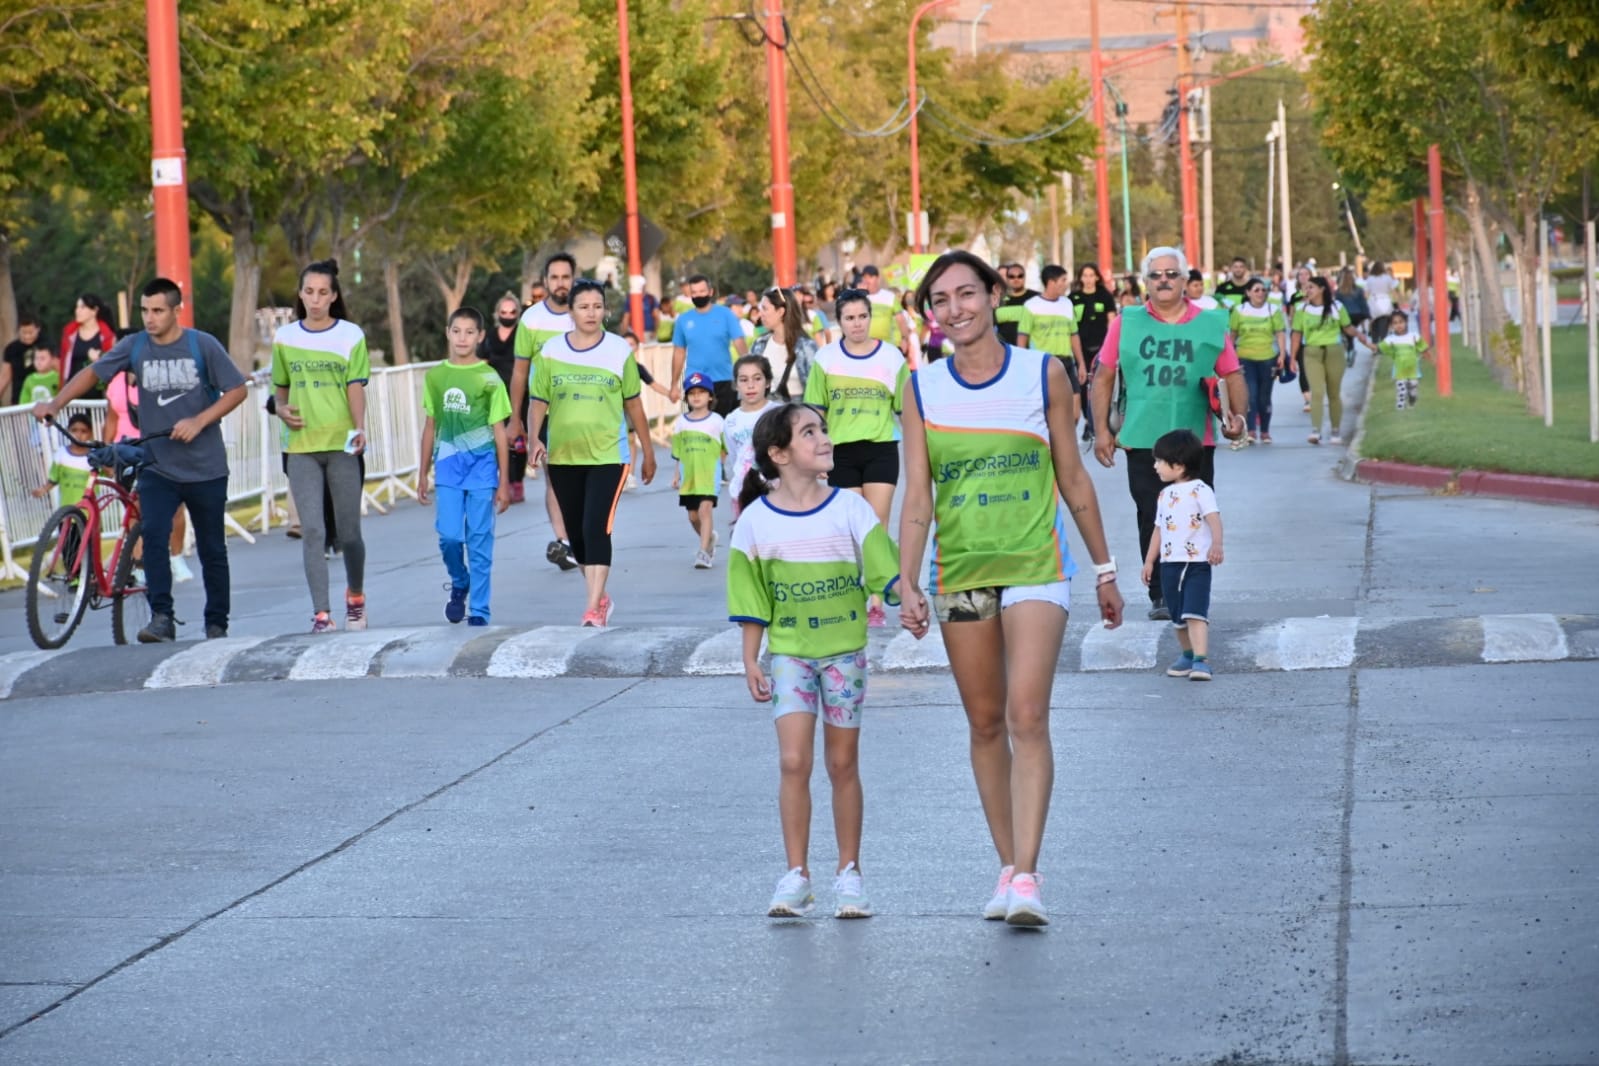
(1147, 574)
(760, 687)
(1214, 556)
(677, 481)
(422, 489)
(502, 497)
(536, 453)
(913, 611)
(41, 492)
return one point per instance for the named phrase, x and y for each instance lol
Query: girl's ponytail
(755, 486)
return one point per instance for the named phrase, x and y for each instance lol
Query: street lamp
(915, 104)
(981, 12)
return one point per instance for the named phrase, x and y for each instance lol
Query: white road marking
(719, 655)
(345, 655)
(542, 652)
(1516, 638)
(1132, 646)
(905, 652)
(1307, 644)
(433, 653)
(203, 664)
(16, 664)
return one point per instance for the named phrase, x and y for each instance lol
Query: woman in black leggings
(1095, 305)
(586, 382)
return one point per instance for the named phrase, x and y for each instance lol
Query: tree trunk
(398, 355)
(8, 295)
(242, 335)
(530, 274)
(1527, 268)
(1491, 342)
(453, 289)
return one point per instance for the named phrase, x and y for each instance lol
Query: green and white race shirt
(1050, 325)
(697, 447)
(318, 367)
(1255, 331)
(859, 394)
(1000, 522)
(537, 327)
(466, 401)
(71, 474)
(586, 390)
(885, 316)
(1405, 350)
(806, 575)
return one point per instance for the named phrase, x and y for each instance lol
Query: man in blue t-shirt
(705, 339)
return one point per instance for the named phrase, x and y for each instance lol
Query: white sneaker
(702, 560)
(850, 894)
(1025, 906)
(716, 538)
(180, 570)
(792, 898)
(995, 908)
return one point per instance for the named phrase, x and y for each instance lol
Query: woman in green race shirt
(990, 454)
(587, 382)
(1257, 330)
(1319, 323)
(319, 373)
(859, 386)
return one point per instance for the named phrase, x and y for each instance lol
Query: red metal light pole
(1419, 221)
(916, 157)
(635, 268)
(1096, 71)
(1440, 270)
(168, 164)
(784, 253)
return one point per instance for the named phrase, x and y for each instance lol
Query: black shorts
(1070, 365)
(865, 462)
(692, 503)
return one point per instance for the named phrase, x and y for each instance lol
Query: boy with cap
(697, 447)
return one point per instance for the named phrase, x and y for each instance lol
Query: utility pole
(635, 267)
(1185, 150)
(783, 242)
(1271, 195)
(168, 161)
(1208, 242)
(1127, 211)
(1282, 178)
(916, 227)
(1070, 237)
(1424, 324)
(1052, 194)
(1096, 72)
(1440, 269)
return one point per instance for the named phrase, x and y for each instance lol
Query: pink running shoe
(1025, 906)
(995, 909)
(876, 617)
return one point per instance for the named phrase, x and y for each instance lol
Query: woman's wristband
(1105, 579)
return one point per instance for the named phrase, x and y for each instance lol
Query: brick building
(1054, 33)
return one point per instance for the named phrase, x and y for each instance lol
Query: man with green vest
(886, 313)
(1168, 352)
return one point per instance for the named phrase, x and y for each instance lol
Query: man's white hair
(1164, 253)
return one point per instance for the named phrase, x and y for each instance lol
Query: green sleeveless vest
(1162, 366)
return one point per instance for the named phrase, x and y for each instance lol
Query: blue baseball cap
(697, 380)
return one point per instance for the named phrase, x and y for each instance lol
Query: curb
(442, 652)
(1467, 482)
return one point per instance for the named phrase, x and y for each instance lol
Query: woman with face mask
(499, 351)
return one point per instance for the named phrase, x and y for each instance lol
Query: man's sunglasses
(1168, 275)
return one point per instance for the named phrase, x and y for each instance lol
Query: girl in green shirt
(1257, 331)
(1319, 323)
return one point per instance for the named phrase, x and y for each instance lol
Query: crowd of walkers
(967, 396)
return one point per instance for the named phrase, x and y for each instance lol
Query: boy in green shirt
(42, 385)
(69, 469)
(464, 437)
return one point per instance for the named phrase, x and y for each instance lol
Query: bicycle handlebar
(50, 421)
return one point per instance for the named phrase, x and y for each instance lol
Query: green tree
(1505, 137)
(1558, 41)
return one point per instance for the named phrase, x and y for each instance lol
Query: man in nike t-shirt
(186, 385)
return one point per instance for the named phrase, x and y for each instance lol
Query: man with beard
(1230, 293)
(550, 317)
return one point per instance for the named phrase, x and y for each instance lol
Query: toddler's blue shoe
(1183, 667)
(1200, 672)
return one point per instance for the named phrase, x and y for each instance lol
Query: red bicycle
(70, 571)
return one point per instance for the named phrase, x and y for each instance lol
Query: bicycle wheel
(130, 607)
(60, 578)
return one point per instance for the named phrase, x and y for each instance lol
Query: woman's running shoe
(1025, 906)
(321, 622)
(996, 907)
(354, 611)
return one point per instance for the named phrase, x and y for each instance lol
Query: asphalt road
(1381, 858)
